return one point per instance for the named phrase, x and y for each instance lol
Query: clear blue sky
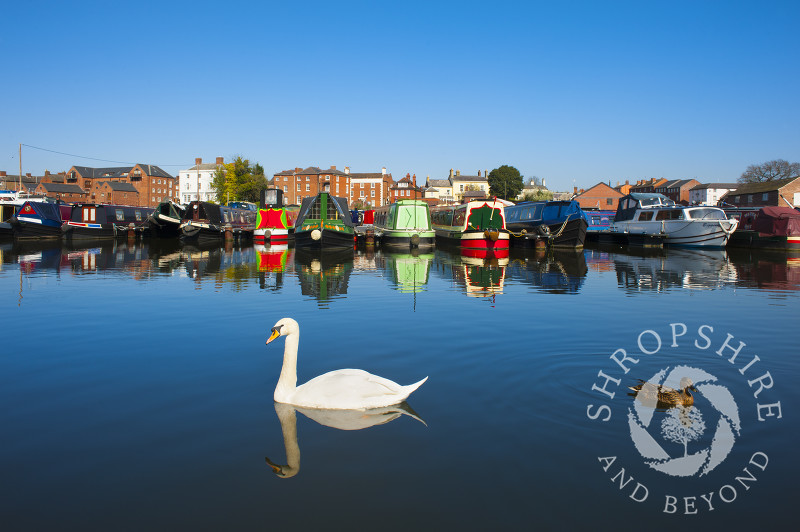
(574, 92)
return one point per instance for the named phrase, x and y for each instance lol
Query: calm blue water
(136, 389)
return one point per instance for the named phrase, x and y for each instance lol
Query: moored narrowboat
(36, 219)
(205, 221)
(102, 221)
(324, 221)
(404, 224)
(769, 228)
(274, 222)
(560, 224)
(165, 220)
(477, 227)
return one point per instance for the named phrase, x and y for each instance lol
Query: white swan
(343, 389)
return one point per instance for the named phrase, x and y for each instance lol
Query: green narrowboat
(405, 224)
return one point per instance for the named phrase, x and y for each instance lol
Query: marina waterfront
(137, 389)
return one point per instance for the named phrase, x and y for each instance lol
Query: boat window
(332, 212)
(459, 216)
(315, 212)
(706, 214)
(645, 215)
(138, 216)
(225, 216)
(669, 214)
(120, 215)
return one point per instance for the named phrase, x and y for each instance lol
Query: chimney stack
(458, 172)
(198, 161)
(479, 173)
(27, 174)
(347, 170)
(575, 190)
(383, 171)
(333, 168)
(220, 160)
(486, 173)
(2, 173)
(451, 173)
(298, 170)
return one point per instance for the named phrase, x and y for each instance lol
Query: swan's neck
(287, 383)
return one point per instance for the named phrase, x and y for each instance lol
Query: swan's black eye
(277, 329)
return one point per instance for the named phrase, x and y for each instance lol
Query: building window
(609, 201)
(298, 187)
(372, 185)
(749, 198)
(286, 189)
(308, 187)
(308, 178)
(373, 193)
(765, 196)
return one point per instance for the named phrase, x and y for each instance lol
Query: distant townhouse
(307, 182)
(777, 193)
(709, 193)
(371, 189)
(59, 191)
(152, 184)
(532, 187)
(600, 197)
(195, 183)
(440, 190)
(406, 188)
(623, 189)
(646, 186)
(466, 183)
(678, 190)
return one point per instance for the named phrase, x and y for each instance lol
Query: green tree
(239, 181)
(770, 171)
(505, 182)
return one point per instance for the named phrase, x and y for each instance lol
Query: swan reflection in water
(337, 419)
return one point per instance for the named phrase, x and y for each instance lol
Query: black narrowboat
(165, 220)
(92, 221)
(205, 221)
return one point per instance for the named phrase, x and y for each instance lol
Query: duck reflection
(324, 274)
(337, 419)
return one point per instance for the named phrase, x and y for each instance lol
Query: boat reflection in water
(767, 270)
(272, 264)
(477, 277)
(324, 273)
(337, 419)
(671, 268)
(408, 272)
(558, 272)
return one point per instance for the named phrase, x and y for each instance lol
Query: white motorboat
(656, 214)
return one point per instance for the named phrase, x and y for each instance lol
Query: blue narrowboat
(38, 219)
(562, 224)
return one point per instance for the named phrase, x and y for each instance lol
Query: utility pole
(19, 181)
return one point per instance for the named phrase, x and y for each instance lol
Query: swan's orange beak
(275, 334)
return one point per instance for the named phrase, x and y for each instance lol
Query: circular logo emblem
(677, 406)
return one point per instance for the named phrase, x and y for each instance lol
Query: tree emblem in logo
(683, 423)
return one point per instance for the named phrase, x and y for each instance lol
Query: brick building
(600, 197)
(777, 193)
(116, 193)
(406, 188)
(372, 188)
(646, 186)
(678, 190)
(152, 184)
(60, 191)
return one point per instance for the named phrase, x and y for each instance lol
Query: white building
(195, 183)
(369, 188)
(710, 193)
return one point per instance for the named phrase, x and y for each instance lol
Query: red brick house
(678, 190)
(647, 185)
(777, 193)
(406, 188)
(116, 193)
(600, 197)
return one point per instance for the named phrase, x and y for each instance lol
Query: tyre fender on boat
(316, 234)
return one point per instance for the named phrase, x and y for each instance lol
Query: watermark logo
(683, 421)
(669, 391)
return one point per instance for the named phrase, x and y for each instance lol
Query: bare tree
(770, 171)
